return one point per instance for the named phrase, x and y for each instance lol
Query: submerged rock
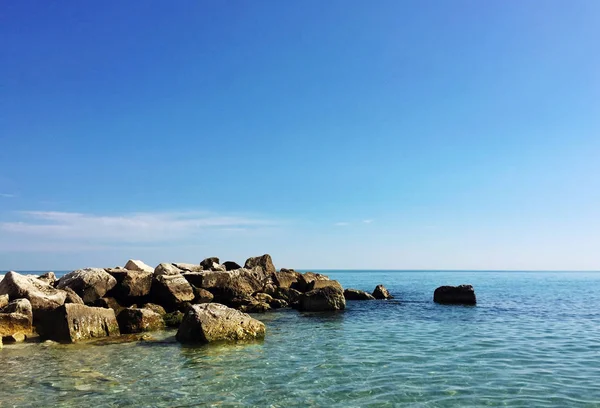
(135, 320)
(212, 322)
(72, 322)
(381, 292)
(90, 284)
(455, 295)
(135, 265)
(355, 294)
(328, 298)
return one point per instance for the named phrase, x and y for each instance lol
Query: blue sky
(336, 134)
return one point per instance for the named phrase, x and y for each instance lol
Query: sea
(533, 340)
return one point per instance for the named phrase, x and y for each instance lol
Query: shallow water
(532, 340)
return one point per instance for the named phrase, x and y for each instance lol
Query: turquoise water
(533, 340)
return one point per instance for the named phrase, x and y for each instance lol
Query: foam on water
(533, 340)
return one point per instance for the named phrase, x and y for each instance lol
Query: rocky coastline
(206, 302)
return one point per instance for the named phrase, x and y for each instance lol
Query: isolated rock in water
(231, 266)
(355, 294)
(41, 295)
(109, 303)
(457, 295)
(264, 262)
(3, 301)
(139, 320)
(317, 284)
(166, 269)
(381, 292)
(72, 322)
(212, 264)
(16, 320)
(131, 285)
(134, 265)
(90, 284)
(212, 322)
(155, 308)
(171, 291)
(186, 267)
(49, 278)
(202, 295)
(323, 299)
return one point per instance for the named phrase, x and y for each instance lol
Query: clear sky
(330, 134)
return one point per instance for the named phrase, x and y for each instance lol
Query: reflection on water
(531, 341)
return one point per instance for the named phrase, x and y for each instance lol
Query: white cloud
(6, 195)
(341, 224)
(367, 221)
(46, 228)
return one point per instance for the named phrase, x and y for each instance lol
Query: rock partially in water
(135, 320)
(136, 265)
(72, 323)
(381, 292)
(171, 291)
(328, 298)
(355, 294)
(90, 284)
(41, 295)
(455, 295)
(213, 322)
(16, 321)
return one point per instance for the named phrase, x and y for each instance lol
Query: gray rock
(328, 298)
(135, 265)
(264, 262)
(317, 284)
(109, 303)
(202, 295)
(289, 295)
(288, 278)
(381, 292)
(270, 300)
(355, 294)
(139, 320)
(212, 322)
(90, 284)
(455, 295)
(41, 295)
(131, 285)
(166, 269)
(212, 264)
(72, 323)
(49, 278)
(171, 291)
(186, 267)
(72, 297)
(227, 286)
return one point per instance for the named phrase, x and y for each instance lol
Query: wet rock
(41, 295)
(49, 278)
(231, 266)
(186, 267)
(355, 294)
(263, 262)
(212, 322)
(135, 265)
(212, 264)
(90, 284)
(166, 269)
(381, 292)
(318, 284)
(155, 308)
(455, 295)
(16, 321)
(131, 285)
(171, 291)
(72, 322)
(139, 320)
(328, 298)
(109, 303)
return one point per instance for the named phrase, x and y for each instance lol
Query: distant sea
(533, 340)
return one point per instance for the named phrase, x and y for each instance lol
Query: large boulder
(212, 322)
(109, 303)
(202, 295)
(131, 285)
(136, 265)
(455, 295)
(381, 292)
(263, 262)
(155, 308)
(355, 294)
(135, 320)
(231, 266)
(166, 269)
(16, 320)
(328, 298)
(227, 286)
(41, 295)
(187, 267)
(171, 291)
(318, 284)
(49, 278)
(72, 322)
(270, 300)
(212, 264)
(289, 295)
(289, 278)
(90, 284)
